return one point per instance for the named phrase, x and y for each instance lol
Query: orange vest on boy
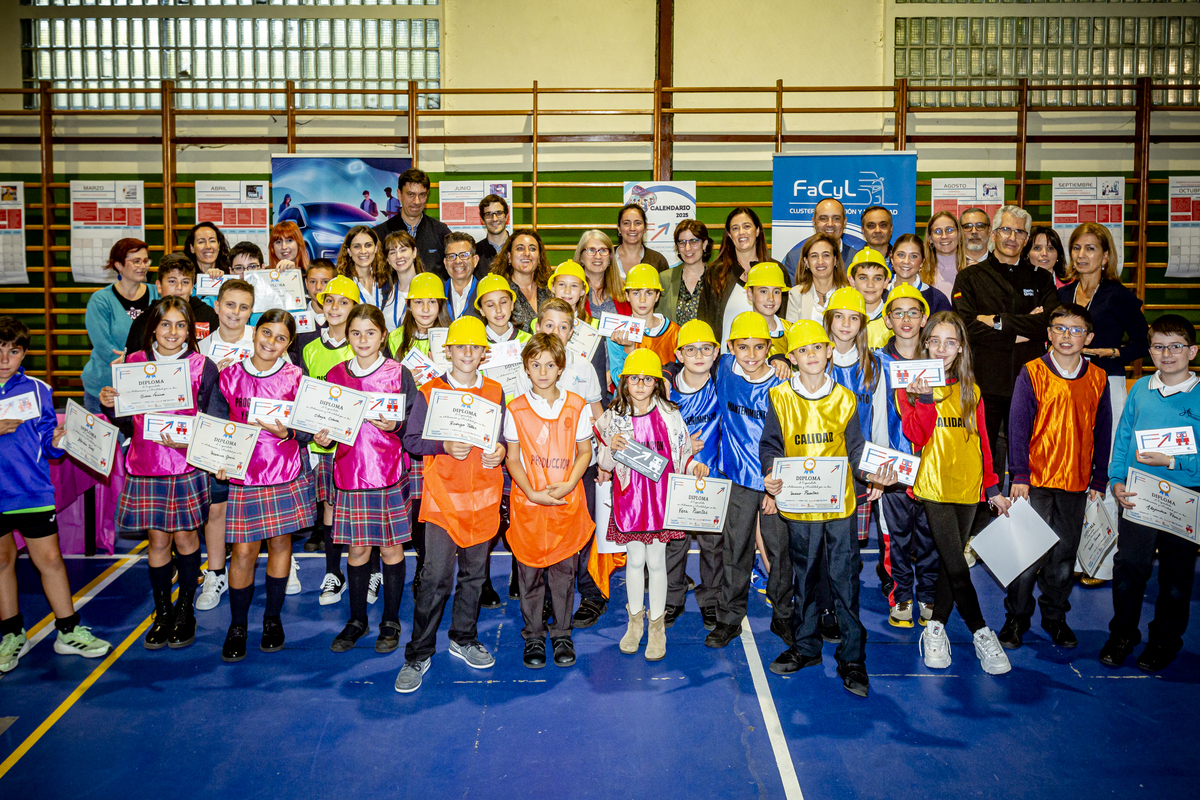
(461, 496)
(1062, 440)
(541, 536)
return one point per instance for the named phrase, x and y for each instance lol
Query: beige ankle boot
(633, 635)
(656, 644)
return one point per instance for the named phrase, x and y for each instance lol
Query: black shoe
(1155, 658)
(790, 661)
(535, 653)
(389, 637)
(828, 627)
(672, 613)
(588, 613)
(886, 584)
(272, 638)
(783, 629)
(709, 615)
(854, 677)
(160, 629)
(183, 632)
(349, 635)
(564, 651)
(1116, 650)
(1060, 633)
(235, 644)
(1011, 634)
(316, 541)
(488, 597)
(722, 635)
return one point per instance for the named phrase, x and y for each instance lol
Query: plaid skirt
(373, 517)
(260, 512)
(326, 491)
(416, 478)
(163, 503)
(863, 513)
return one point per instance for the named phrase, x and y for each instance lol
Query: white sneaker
(294, 578)
(373, 587)
(331, 589)
(935, 646)
(991, 655)
(926, 613)
(211, 590)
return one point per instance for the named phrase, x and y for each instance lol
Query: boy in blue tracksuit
(29, 435)
(1167, 399)
(695, 392)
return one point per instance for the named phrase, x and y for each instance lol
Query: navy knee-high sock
(393, 590)
(189, 577)
(160, 586)
(333, 557)
(360, 576)
(239, 603)
(276, 589)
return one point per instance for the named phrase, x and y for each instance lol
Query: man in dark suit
(430, 233)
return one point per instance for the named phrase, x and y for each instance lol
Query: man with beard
(976, 226)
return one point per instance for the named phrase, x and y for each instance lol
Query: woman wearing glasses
(944, 250)
(606, 287)
(1094, 282)
(684, 284)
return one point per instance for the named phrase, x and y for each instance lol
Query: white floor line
(783, 757)
(83, 601)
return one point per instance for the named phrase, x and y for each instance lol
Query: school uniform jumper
(26, 491)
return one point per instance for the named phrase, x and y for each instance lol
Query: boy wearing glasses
(1166, 399)
(1058, 436)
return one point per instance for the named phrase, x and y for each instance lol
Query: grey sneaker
(409, 679)
(474, 653)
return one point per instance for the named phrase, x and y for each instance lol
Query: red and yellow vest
(951, 468)
(1062, 440)
(816, 428)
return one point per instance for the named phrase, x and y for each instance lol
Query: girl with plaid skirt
(164, 495)
(275, 499)
(372, 481)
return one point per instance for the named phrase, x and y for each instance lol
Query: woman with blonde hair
(945, 252)
(606, 284)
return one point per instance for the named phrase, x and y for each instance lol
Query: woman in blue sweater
(110, 313)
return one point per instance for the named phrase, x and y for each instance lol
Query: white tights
(638, 557)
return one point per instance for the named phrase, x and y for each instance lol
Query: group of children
(709, 408)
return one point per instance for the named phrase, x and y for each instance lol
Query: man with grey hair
(1005, 302)
(976, 228)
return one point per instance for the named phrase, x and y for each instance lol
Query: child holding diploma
(549, 435)
(659, 334)
(765, 286)
(460, 509)
(1166, 399)
(1059, 426)
(275, 499)
(813, 416)
(947, 423)
(372, 482)
(494, 302)
(164, 495)
(641, 413)
(27, 506)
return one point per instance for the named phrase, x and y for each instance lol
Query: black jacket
(205, 317)
(1011, 292)
(431, 241)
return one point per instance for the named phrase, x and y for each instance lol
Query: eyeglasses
(641, 380)
(944, 231)
(1074, 330)
(692, 350)
(137, 262)
(976, 226)
(463, 257)
(596, 251)
(1174, 348)
(906, 313)
(689, 243)
(493, 215)
(1017, 232)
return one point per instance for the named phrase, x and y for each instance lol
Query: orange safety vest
(461, 496)
(663, 345)
(544, 535)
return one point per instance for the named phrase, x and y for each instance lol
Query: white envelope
(178, 427)
(902, 373)
(222, 351)
(874, 457)
(611, 323)
(23, 406)
(501, 354)
(210, 287)
(603, 512)
(389, 406)
(304, 321)
(437, 347)
(266, 410)
(1011, 544)
(1168, 441)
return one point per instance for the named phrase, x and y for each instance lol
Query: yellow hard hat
(643, 362)
(905, 290)
(847, 299)
(868, 256)
(749, 325)
(341, 286)
(805, 332)
(767, 274)
(695, 332)
(568, 268)
(492, 283)
(426, 286)
(467, 330)
(643, 276)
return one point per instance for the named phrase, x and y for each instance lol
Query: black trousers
(560, 579)
(835, 543)
(950, 524)
(587, 586)
(1131, 571)
(1054, 573)
(711, 566)
(995, 419)
(436, 576)
(909, 556)
(737, 557)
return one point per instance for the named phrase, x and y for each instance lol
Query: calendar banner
(956, 195)
(666, 203)
(102, 212)
(242, 209)
(12, 233)
(458, 204)
(1183, 229)
(1102, 200)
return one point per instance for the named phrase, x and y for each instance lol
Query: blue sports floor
(309, 723)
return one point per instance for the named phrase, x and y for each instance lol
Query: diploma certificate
(210, 287)
(1098, 538)
(304, 321)
(811, 485)
(583, 342)
(219, 444)
(903, 373)
(462, 417)
(152, 386)
(507, 375)
(1163, 505)
(437, 347)
(90, 441)
(697, 504)
(422, 367)
(320, 405)
(275, 289)
(179, 428)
